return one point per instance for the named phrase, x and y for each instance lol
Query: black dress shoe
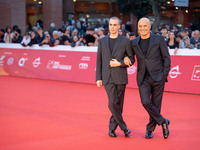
(165, 128)
(127, 132)
(112, 133)
(149, 134)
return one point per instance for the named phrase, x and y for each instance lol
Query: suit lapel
(151, 40)
(117, 42)
(107, 44)
(138, 46)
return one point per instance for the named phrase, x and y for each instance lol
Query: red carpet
(51, 115)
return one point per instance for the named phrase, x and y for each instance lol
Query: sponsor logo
(174, 72)
(8, 53)
(62, 56)
(1, 60)
(196, 73)
(36, 62)
(85, 58)
(132, 69)
(22, 61)
(56, 65)
(83, 66)
(10, 61)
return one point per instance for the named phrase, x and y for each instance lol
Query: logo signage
(36, 63)
(22, 61)
(83, 66)
(132, 69)
(174, 72)
(1, 60)
(10, 61)
(56, 65)
(196, 73)
(85, 58)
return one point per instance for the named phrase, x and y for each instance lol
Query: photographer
(17, 37)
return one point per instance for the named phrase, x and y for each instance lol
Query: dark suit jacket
(121, 49)
(157, 61)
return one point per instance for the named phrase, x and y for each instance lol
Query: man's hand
(115, 63)
(127, 61)
(99, 83)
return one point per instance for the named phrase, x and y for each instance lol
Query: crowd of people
(84, 34)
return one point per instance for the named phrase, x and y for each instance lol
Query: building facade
(29, 13)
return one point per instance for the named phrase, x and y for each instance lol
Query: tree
(140, 8)
(136, 8)
(156, 7)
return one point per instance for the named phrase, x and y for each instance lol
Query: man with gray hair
(196, 39)
(55, 40)
(101, 32)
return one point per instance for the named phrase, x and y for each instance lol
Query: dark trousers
(116, 100)
(151, 93)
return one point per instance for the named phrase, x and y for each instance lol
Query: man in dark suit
(112, 73)
(153, 67)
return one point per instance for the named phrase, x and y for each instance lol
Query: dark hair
(131, 34)
(63, 30)
(180, 36)
(3, 30)
(8, 27)
(18, 30)
(14, 27)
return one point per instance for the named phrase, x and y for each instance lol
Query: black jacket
(121, 49)
(157, 61)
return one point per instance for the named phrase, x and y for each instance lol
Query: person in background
(17, 37)
(26, 39)
(55, 40)
(2, 34)
(91, 38)
(8, 35)
(164, 33)
(74, 41)
(184, 33)
(52, 28)
(196, 39)
(172, 43)
(46, 39)
(81, 41)
(187, 44)
(65, 39)
(101, 32)
(120, 32)
(175, 29)
(128, 35)
(40, 35)
(132, 36)
(179, 39)
(123, 28)
(33, 39)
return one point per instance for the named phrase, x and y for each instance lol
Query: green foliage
(139, 8)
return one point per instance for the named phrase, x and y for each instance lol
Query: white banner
(181, 3)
